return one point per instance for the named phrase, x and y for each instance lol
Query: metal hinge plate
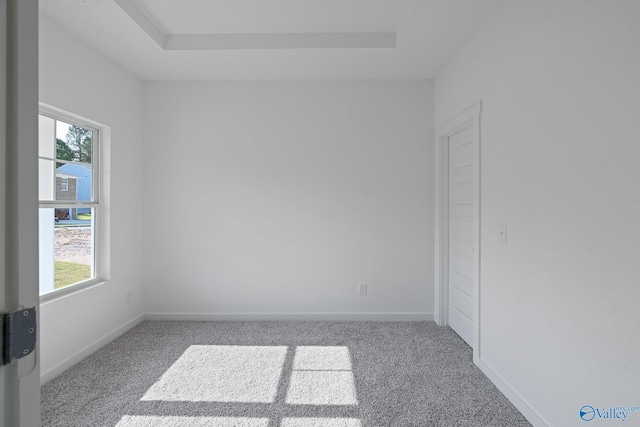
(18, 338)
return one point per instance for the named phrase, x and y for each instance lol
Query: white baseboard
(514, 397)
(386, 317)
(50, 374)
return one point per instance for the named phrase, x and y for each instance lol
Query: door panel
(463, 304)
(461, 229)
(463, 270)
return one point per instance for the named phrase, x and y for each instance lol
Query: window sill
(71, 289)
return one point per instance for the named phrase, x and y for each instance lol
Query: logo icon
(587, 413)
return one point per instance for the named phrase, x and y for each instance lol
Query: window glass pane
(45, 179)
(46, 133)
(79, 182)
(67, 228)
(73, 143)
(66, 247)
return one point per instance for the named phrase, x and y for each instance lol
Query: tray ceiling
(273, 39)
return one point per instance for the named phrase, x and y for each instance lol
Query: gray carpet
(279, 374)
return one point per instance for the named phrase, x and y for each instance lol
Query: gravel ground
(73, 245)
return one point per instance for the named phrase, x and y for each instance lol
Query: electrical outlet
(362, 290)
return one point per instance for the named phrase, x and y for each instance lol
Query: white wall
(560, 86)
(76, 78)
(282, 197)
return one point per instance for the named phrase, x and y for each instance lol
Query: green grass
(68, 273)
(85, 216)
(78, 225)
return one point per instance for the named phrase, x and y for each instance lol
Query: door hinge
(18, 338)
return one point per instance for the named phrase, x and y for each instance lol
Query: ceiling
(274, 39)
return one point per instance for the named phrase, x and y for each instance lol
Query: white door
(19, 381)
(461, 232)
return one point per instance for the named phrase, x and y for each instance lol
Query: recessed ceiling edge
(255, 40)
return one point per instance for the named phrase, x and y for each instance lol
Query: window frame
(97, 269)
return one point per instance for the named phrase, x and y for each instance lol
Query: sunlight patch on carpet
(321, 422)
(219, 373)
(322, 375)
(322, 388)
(171, 421)
(322, 358)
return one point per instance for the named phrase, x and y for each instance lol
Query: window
(69, 200)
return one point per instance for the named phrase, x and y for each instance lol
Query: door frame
(468, 117)
(19, 381)
(3, 181)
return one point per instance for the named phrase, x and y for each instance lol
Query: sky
(61, 130)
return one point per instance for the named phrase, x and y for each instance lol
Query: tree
(79, 141)
(63, 152)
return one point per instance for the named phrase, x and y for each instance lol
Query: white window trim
(100, 154)
(64, 184)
